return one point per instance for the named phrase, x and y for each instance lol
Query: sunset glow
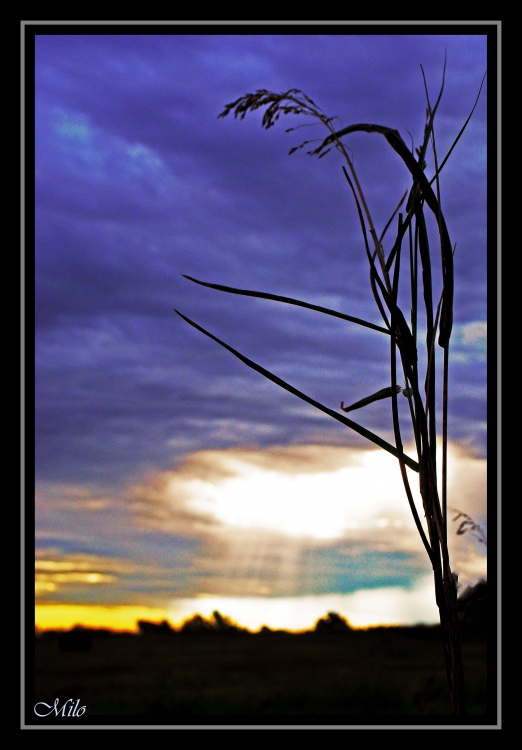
(171, 479)
(362, 609)
(66, 616)
(322, 505)
(285, 535)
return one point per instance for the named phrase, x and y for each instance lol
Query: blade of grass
(374, 277)
(399, 204)
(398, 442)
(424, 253)
(431, 112)
(394, 139)
(378, 396)
(287, 387)
(448, 582)
(463, 128)
(403, 227)
(289, 301)
(405, 332)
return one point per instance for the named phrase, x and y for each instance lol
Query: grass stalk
(384, 282)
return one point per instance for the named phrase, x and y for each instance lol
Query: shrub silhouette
(196, 625)
(332, 623)
(218, 623)
(155, 628)
(472, 604)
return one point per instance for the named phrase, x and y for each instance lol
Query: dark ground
(379, 672)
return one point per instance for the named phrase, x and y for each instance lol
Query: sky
(170, 478)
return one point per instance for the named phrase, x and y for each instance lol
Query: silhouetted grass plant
(469, 525)
(423, 271)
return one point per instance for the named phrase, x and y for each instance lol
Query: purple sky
(139, 182)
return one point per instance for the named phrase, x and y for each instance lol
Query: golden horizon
(124, 618)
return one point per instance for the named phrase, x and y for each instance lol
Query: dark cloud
(139, 182)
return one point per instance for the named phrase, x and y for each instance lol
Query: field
(378, 672)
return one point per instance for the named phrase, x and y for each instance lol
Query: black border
(492, 31)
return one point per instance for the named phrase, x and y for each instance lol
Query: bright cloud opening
(322, 505)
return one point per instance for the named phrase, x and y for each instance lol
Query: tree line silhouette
(472, 608)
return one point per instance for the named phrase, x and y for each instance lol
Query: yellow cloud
(51, 574)
(65, 616)
(75, 577)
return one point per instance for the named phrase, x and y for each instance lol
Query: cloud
(79, 578)
(73, 498)
(55, 570)
(281, 489)
(470, 341)
(299, 521)
(138, 181)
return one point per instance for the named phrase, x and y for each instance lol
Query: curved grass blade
(428, 130)
(383, 393)
(405, 332)
(401, 231)
(392, 307)
(390, 221)
(287, 387)
(289, 301)
(373, 272)
(469, 525)
(394, 139)
(463, 128)
(398, 440)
